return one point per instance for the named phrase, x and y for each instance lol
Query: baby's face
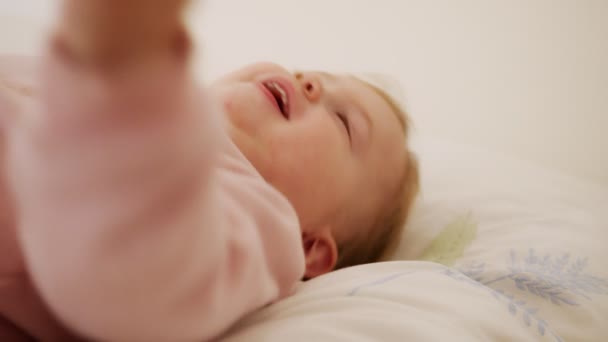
(331, 144)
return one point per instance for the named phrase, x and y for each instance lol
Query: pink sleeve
(138, 217)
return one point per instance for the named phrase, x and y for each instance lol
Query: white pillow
(463, 184)
(533, 234)
(524, 258)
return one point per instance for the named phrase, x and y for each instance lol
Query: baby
(140, 213)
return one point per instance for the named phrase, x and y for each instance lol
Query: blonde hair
(379, 241)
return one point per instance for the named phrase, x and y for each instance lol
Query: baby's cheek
(313, 161)
(306, 168)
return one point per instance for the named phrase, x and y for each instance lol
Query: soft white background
(524, 77)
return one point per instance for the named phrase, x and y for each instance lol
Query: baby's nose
(311, 86)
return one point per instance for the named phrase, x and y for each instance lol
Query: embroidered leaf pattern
(450, 244)
(559, 279)
(515, 307)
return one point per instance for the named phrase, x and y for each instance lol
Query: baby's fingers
(98, 30)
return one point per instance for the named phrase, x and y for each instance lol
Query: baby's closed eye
(345, 123)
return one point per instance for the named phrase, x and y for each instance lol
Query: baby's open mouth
(280, 96)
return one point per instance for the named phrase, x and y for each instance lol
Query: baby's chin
(252, 148)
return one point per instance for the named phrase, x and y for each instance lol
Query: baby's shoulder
(242, 182)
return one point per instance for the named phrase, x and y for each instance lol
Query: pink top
(138, 218)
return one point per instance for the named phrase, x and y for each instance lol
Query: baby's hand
(109, 32)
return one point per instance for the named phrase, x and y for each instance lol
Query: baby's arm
(138, 218)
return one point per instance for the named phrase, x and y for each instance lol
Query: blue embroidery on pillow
(559, 280)
(515, 306)
(377, 282)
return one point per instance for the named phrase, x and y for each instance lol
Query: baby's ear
(321, 253)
